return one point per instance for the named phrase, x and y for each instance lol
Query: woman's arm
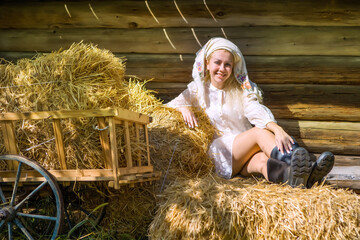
(282, 139)
(184, 101)
(189, 116)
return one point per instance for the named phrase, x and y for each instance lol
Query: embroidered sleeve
(188, 98)
(258, 114)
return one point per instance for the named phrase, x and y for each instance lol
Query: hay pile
(214, 208)
(86, 77)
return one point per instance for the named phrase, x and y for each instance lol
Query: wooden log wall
(304, 54)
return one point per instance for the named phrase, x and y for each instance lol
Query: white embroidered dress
(230, 123)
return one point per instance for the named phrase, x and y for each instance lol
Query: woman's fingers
(189, 117)
(188, 120)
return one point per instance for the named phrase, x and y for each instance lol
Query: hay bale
(214, 208)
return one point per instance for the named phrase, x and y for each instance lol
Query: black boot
(321, 168)
(296, 173)
(286, 157)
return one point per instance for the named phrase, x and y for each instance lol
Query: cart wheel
(84, 205)
(28, 211)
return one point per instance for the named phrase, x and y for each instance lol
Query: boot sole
(300, 168)
(321, 169)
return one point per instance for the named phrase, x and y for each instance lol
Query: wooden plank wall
(304, 54)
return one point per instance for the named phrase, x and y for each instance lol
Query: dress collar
(213, 88)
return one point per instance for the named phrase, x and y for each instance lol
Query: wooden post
(128, 146)
(10, 141)
(104, 140)
(59, 143)
(114, 154)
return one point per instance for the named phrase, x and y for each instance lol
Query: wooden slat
(134, 14)
(59, 143)
(120, 113)
(147, 145)
(124, 114)
(58, 114)
(251, 40)
(138, 153)
(10, 141)
(104, 140)
(129, 163)
(114, 153)
(9, 137)
(61, 175)
(77, 174)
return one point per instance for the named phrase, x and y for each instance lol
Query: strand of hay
(214, 208)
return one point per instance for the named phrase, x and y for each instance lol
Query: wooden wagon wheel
(83, 204)
(31, 213)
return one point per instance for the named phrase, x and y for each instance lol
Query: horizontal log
(344, 160)
(345, 177)
(320, 136)
(176, 68)
(251, 40)
(294, 101)
(313, 101)
(262, 69)
(135, 14)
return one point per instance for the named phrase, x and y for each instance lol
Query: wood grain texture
(176, 68)
(295, 101)
(251, 40)
(135, 14)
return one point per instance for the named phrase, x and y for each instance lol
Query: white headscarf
(239, 68)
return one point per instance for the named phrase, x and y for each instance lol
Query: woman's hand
(282, 139)
(188, 116)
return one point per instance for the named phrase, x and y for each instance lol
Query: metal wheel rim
(49, 180)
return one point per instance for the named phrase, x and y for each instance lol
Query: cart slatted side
(107, 119)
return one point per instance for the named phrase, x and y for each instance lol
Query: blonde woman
(250, 140)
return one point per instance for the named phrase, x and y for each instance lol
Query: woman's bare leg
(256, 164)
(251, 149)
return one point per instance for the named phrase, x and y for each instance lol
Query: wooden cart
(18, 210)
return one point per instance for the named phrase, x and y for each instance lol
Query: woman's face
(220, 67)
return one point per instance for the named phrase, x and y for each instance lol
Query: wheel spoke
(37, 216)
(16, 184)
(23, 229)
(10, 230)
(30, 195)
(2, 196)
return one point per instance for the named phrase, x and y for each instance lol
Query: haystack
(214, 208)
(206, 207)
(86, 77)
